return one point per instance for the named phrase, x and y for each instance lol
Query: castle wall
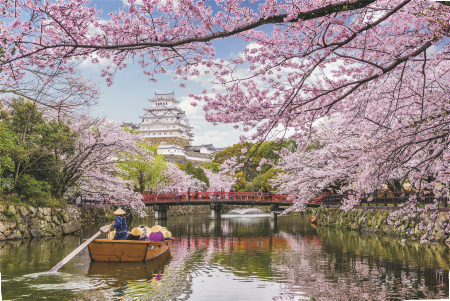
(181, 142)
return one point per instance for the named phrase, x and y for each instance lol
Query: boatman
(120, 225)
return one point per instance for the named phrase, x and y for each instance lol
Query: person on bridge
(216, 194)
(196, 194)
(120, 224)
(231, 193)
(259, 194)
(222, 193)
(188, 193)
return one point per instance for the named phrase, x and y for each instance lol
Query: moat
(235, 258)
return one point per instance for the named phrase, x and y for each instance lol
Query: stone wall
(18, 222)
(181, 142)
(198, 154)
(371, 220)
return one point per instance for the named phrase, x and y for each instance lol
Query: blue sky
(126, 98)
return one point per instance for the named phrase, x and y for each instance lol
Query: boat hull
(126, 250)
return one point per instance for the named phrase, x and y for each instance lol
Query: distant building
(166, 125)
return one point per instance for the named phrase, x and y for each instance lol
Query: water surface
(235, 258)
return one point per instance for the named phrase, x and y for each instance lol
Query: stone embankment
(18, 222)
(376, 221)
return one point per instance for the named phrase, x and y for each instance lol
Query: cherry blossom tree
(92, 170)
(219, 180)
(176, 179)
(382, 66)
(64, 90)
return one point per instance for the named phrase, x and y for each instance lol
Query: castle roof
(164, 96)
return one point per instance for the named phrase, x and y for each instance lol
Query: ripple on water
(248, 258)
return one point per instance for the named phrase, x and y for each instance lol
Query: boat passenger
(120, 225)
(156, 234)
(135, 234)
(146, 232)
(166, 233)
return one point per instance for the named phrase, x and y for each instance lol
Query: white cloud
(88, 64)
(137, 2)
(192, 112)
(140, 2)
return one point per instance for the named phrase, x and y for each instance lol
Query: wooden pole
(103, 229)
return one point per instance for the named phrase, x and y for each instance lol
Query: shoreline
(375, 221)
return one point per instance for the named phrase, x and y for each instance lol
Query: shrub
(46, 202)
(10, 198)
(28, 187)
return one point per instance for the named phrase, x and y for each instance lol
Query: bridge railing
(212, 196)
(390, 198)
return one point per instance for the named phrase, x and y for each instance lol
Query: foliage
(63, 155)
(264, 181)
(144, 168)
(214, 166)
(32, 147)
(48, 202)
(29, 187)
(240, 181)
(256, 158)
(8, 141)
(197, 173)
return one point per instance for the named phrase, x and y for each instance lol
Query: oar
(103, 229)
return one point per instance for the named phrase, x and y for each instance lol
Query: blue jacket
(120, 223)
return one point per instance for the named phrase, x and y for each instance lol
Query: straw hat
(137, 231)
(166, 232)
(111, 234)
(119, 212)
(156, 228)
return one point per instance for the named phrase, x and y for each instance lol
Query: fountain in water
(245, 211)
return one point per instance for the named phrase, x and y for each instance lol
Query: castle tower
(166, 124)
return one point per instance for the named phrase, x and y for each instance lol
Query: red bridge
(202, 198)
(377, 200)
(162, 201)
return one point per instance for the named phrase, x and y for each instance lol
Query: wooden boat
(127, 250)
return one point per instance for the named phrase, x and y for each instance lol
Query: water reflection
(234, 258)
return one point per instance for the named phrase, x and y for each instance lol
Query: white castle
(166, 125)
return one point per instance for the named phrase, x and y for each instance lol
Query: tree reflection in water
(212, 259)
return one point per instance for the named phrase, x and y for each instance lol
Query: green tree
(8, 142)
(253, 155)
(145, 169)
(241, 182)
(263, 181)
(214, 166)
(40, 146)
(196, 172)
